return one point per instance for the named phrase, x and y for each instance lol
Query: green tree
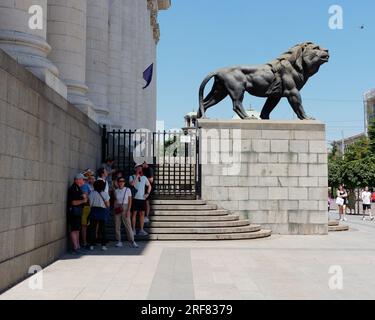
(359, 173)
(371, 135)
(356, 169)
(358, 150)
(335, 172)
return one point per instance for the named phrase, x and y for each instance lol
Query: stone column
(28, 45)
(129, 50)
(152, 103)
(115, 59)
(66, 33)
(97, 47)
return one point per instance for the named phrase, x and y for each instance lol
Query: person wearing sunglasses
(123, 203)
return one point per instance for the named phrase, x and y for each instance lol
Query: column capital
(29, 46)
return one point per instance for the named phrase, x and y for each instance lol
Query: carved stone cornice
(154, 6)
(164, 4)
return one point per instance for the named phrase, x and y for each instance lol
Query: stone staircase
(197, 220)
(334, 226)
(194, 220)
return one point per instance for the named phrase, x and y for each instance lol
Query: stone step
(173, 168)
(204, 237)
(174, 173)
(178, 180)
(190, 218)
(159, 207)
(205, 213)
(333, 223)
(199, 224)
(196, 230)
(178, 202)
(338, 228)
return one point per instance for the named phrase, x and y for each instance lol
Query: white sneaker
(119, 244)
(345, 219)
(134, 245)
(104, 248)
(91, 248)
(363, 219)
(142, 233)
(341, 219)
(147, 220)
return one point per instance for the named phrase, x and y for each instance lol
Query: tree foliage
(355, 169)
(371, 135)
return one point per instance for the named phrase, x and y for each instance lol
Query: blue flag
(147, 75)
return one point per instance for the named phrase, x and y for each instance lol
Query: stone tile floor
(279, 267)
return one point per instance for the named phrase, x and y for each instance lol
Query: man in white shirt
(366, 199)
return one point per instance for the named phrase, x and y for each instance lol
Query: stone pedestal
(272, 172)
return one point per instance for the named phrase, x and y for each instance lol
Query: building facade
(343, 144)
(92, 52)
(369, 115)
(369, 101)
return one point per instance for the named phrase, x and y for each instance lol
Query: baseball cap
(138, 165)
(79, 176)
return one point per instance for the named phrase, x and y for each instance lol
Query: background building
(369, 104)
(369, 115)
(92, 52)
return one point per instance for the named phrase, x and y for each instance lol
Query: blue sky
(209, 34)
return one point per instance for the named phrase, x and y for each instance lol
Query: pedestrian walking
(366, 199)
(341, 201)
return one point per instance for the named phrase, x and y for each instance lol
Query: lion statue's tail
(201, 111)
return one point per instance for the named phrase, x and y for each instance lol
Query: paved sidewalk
(279, 267)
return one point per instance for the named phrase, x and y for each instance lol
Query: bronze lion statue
(283, 77)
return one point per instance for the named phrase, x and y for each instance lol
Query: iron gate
(172, 155)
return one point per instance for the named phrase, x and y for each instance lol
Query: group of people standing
(343, 198)
(92, 199)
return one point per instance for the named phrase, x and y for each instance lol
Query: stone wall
(272, 172)
(44, 141)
